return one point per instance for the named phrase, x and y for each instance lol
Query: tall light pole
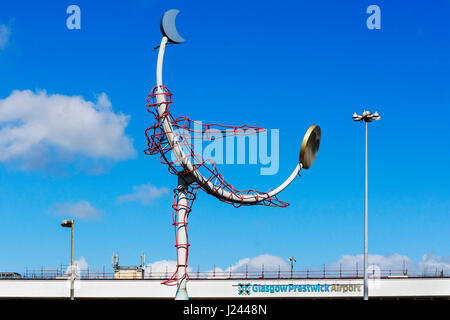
(366, 116)
(292, 260)
(69, 224)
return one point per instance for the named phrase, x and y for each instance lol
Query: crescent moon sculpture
(168, 26)
(170, 138)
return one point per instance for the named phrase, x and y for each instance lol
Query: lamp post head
(367, 116)
(376, 116)
(292, 259)
(356, 117)
(67, 223)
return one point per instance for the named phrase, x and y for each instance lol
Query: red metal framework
(176, 207)
(185, 129)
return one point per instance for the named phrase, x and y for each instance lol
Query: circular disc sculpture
(170, 138)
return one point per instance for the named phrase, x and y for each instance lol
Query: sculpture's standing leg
(182, 208)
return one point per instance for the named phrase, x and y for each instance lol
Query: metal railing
(63, 272)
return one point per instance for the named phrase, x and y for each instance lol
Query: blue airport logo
(244, 289)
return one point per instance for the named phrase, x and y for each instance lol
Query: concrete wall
(153, 289)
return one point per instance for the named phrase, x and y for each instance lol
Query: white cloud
(145, 193)
(38, 129)
(81, 263)
(393, 262)
(271, 264)
(79, 266)
(5, 32)
(255, 265)
(82, 210)
(430, 265)
(162, 268)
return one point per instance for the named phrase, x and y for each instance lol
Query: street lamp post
(69, 224)
(292, 260)
(366, 116)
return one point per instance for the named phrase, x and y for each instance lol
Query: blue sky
(279, 65)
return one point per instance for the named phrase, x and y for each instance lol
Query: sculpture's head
(168, 26)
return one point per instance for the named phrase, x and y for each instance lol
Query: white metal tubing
(366, 116)
(182, 241)
(209, 186)
(72, 293)
(366, 206)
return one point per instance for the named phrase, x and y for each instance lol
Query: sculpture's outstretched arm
(224, 193)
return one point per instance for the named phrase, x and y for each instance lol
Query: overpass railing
(245, 272)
